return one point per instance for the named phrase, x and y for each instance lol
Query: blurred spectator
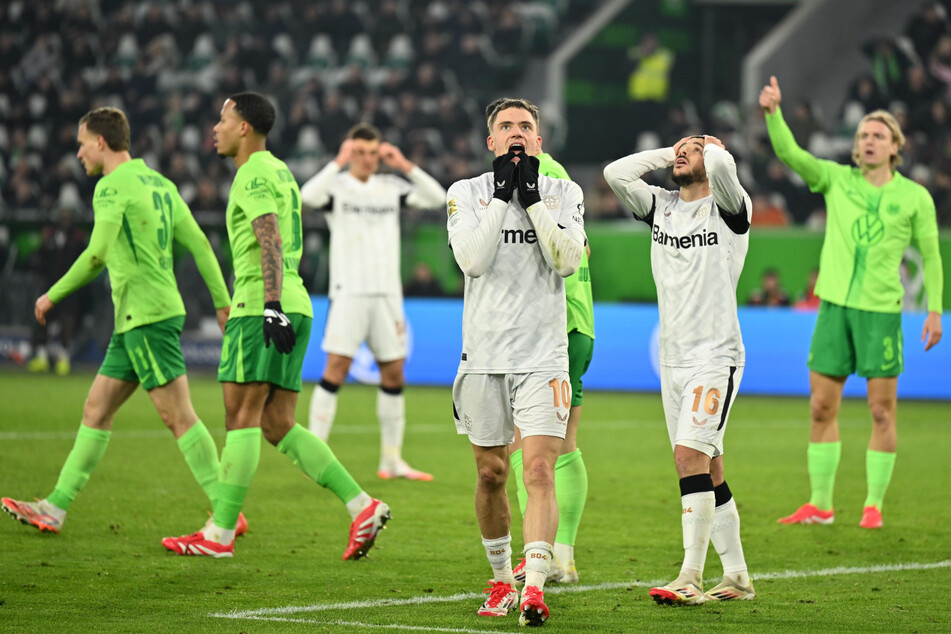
(770, 292)
(423, 284)
(808, 300)
(768, 211)
(650, 79)
(926, 27)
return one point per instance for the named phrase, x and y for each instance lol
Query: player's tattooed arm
(268, 234)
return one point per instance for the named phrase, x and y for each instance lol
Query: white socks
(499, 552)
(358, 503)
(726, 539)
(323, 409)
(391, 410)
(538, 557)
(697, 522)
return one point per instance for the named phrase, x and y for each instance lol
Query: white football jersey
(514, 314)
(696, 257)
(365, 235)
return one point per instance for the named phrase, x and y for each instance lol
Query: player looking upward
(264, 347)
(365, 288)
(874, 213)
(515, 251)
(700, 239)
(571, 477)
(138, 214)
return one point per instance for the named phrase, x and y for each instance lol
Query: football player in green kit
(138, 214)
(571, 477)
(270, 305)
(874, 213)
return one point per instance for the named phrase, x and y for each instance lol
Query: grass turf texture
(107, 570)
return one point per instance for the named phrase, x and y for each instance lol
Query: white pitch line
(378, 626)
(276, 613)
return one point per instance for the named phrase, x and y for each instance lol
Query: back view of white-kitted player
(700, 239)
(366, 295)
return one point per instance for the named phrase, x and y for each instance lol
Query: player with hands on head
(261, 382)
(138, 215)
(513, 371)
(700, 236)
(873, 214)
(366, 292)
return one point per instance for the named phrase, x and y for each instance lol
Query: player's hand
(42, 306)
(278, 328)
(503, 168)
(528, 180)
(712, 140)
(345, 153)
(677, 147)
(931, 332)
(393, 157)
(770, 96)
(222, 315)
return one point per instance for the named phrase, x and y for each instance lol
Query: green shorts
(848, 340)
(580, 350)
(244, 359)
(150, 354)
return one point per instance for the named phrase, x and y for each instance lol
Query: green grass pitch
(107, 571)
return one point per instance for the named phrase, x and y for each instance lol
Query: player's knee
(823, 410)
(538, 474)
(882, 415)
(492, 475)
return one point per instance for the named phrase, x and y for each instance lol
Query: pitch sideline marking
(276, 613)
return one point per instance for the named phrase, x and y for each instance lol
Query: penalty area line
(280, 613)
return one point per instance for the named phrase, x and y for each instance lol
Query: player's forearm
(316, 191)
(272, 255)
(724, 183)
(427, 192)
(474, 250)
(190, 235)
(933, 273)
(788, 151)
(90, 262)
(624, 177)
(561, 249)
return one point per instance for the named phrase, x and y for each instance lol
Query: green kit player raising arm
(138, 214)
(571, 476)
(261, 382)
(874, 213)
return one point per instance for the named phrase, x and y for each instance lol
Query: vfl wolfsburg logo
(255, 183)
(868, 230)
(107, 192)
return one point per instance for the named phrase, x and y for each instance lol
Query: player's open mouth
(516, 147)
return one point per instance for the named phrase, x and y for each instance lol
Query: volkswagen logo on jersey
(364, 368)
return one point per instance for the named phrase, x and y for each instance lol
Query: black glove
(278, 328)
(528, 180)
(504, 176)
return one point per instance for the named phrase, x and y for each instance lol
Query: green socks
(878, 473)
(515, 459)
(571, 491)
(201, 455)
(239, 462)
(822, 459)
(87, 451)
(318, 462)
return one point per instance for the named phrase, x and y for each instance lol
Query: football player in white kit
(515, 250)
(366, 293)
(700, 239)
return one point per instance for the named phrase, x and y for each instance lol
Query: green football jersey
(868, 228)
(578, 284)
(263, 186)
(147, 206)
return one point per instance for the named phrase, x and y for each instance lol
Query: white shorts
(376, 319)
(488, 407)
(697, 403)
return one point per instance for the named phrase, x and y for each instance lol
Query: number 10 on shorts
(561, 391)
